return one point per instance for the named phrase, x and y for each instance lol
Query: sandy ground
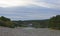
(28, 32)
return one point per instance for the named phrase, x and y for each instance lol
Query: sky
(29, 9)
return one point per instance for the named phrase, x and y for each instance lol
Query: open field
(28, 31)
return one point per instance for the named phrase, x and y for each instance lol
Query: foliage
(55, 22)
(4, 18)
(6, 22)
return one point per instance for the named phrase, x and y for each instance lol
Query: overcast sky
(29, 9)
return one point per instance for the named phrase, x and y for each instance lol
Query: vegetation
(6, 22)
(53, 22)
(37, 23)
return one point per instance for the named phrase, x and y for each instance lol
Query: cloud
(51, 3)
(29, 9)
(9, 3)
(43, 3)
(28, 12)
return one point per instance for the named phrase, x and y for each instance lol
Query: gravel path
(28, 32)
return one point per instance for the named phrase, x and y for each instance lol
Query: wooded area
(53, 22)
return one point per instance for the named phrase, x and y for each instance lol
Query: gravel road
(28, 31)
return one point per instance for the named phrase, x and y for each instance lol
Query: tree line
(53, 22)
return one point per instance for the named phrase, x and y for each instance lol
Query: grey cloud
(28, 12)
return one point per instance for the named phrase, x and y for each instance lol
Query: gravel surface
(28, 31)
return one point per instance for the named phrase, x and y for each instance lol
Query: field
(28, 31)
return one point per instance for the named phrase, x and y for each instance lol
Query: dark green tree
(54, 22)
(4, 18)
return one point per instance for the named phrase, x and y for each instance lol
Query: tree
(6, 22)
(54, 22)
(4, 18)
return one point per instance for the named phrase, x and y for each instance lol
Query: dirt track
(28, 32)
